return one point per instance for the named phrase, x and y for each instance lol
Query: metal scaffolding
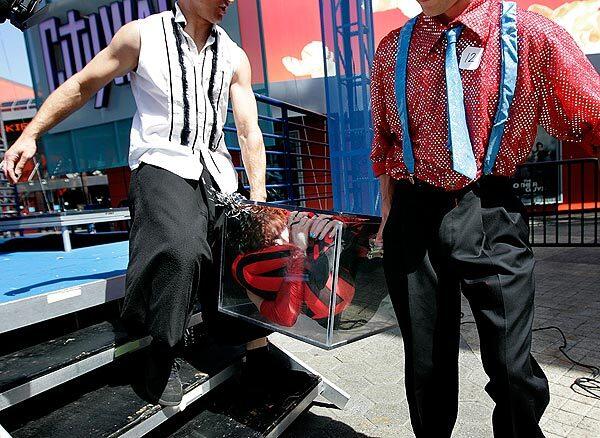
(347, 30)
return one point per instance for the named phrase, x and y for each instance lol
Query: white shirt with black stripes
(182, 95)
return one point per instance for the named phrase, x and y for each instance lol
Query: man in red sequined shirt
(448, 230)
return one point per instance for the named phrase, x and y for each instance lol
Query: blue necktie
(463, 159)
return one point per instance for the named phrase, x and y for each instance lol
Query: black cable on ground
(585, 386)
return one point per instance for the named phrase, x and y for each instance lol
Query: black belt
(487, 185)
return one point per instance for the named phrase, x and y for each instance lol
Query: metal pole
(288, 157)
(263, 52)
(64, 231)
(570, 193)
(596, 168)
(582, 191)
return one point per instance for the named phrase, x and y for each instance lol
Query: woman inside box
(285, 262)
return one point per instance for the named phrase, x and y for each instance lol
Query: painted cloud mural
(311, 61)
(409, 8)
(580, 18)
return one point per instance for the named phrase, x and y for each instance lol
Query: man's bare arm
(250, 136)
(119, 58)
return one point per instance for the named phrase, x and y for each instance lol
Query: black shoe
(163, 384)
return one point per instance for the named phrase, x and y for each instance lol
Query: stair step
(39, 368)
(107, 402)
(237, 410)
(36, 369)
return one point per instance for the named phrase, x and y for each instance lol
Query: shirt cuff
(379, 168)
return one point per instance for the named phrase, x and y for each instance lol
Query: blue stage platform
(39, 285)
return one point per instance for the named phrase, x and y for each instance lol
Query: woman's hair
(254, 227)
(257, 227)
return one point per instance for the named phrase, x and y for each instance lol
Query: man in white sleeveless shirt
(184, 69)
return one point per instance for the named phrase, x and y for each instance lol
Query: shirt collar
(180, 18)
(478, 17)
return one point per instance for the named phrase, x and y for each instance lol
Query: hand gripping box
(313, 275)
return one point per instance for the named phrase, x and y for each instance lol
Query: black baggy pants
(476, 239)
(174, 259)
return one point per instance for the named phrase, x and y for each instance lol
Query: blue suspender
(506, 92)
(508, 82)
(401, 65)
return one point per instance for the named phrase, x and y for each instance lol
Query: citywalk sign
(67, 47)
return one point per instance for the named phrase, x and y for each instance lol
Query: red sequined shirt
(557, 88)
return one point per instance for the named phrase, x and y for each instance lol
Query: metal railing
(297, 149)
(562, 200)
(18, 105)
(9, 198)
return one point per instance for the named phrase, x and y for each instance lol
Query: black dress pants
(476, 239)
(174, 260)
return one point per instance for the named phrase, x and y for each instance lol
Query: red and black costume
(292, 282)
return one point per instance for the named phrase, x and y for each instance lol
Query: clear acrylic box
(327, 290)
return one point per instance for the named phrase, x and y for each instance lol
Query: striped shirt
(182, 95)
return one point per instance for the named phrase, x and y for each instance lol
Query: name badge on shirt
(471, 58)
